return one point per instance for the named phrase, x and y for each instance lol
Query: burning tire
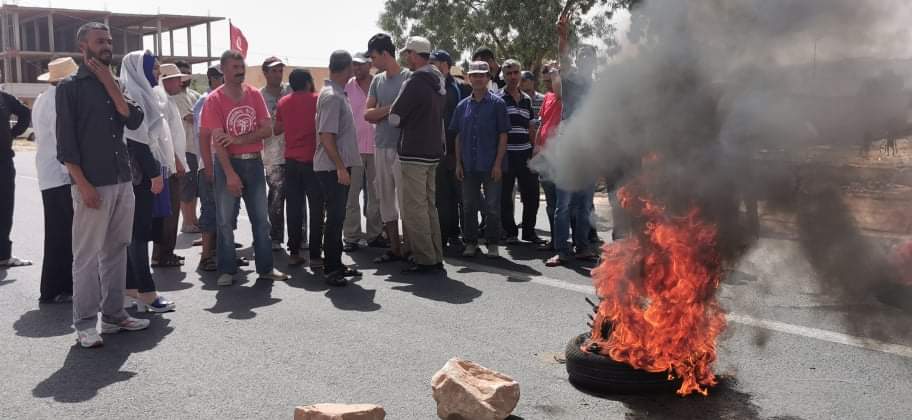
(598, 374)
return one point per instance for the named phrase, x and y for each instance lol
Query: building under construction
(30, 37)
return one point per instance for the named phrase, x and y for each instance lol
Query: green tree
(522, 29)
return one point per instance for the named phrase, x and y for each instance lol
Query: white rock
(340, 412)
(464, 389)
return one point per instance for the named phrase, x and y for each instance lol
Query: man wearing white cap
(54, 182)
(418, 111)
(171, 84)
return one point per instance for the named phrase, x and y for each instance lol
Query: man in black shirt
(9, 105)
(448, 187)
(92, 111)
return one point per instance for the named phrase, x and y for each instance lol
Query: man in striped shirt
(519, 150)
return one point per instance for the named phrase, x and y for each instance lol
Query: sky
(304, 33)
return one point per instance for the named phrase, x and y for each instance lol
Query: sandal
(14, 262)
(169, 261)
(556, 261)
(387, 257)
(208, 264)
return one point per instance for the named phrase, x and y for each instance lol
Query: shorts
(386, 184)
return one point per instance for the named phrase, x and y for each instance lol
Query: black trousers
(7, 197)
(335, 198)
(449, 202)
(139, 275)
(301, 185)
(57, 263)
(518, 172)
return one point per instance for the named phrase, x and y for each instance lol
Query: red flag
(238, 40)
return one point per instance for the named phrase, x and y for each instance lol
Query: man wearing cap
(236, 120)
(519, 152)
(189, 191)
(448, 187)
(528, 86)
(207, 217)
(336, 154)
(163, 250)
(487, 55)
(274, 151)
(383, 91)
(418, 111)
(481, 145)
(363, 177)
(54, 182)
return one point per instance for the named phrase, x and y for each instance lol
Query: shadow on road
(170, 280)
(3, 280)
(239, 302)
(349, 298)
(86, 371)
(725, 401)
(436, 286)
(51, 320)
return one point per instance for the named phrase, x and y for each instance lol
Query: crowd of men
(122, 159)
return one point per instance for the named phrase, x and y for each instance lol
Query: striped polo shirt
(520, 114)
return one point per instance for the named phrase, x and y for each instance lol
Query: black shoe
(350, 272)
(336, 279)
(534, 239)
(351, 247)
(379, 242)
(243, 262)
(546, 247)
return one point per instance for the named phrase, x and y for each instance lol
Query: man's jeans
(253, 180)
(518, 172)
(301, 185)
(7, 197)
(364, 179)
(449, 202)
(550, 203)
(573, 206)
(335, 197)
(472, 183)
(275, 179)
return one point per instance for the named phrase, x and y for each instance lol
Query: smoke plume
(709, 84)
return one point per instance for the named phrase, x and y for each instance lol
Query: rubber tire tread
(601, 375)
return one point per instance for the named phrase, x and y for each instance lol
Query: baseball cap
(527, 75)
(272, 62)
(361, 58)
(418, 44)
(442, 56)
(215, 71)
(479, 67)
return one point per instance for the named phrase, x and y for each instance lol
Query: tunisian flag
(238, 40)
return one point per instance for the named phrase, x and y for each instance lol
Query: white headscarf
(153, 131)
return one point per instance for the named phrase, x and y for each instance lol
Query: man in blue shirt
(482, 125)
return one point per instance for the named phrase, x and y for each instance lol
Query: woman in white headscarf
(151, 152)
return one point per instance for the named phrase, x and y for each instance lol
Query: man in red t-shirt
(296, 117)
(236, 121)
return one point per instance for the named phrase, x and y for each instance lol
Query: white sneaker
(89, 338)
(275, 275)
(470, 250)
(493, 251)
(225, 280)
(129, 324)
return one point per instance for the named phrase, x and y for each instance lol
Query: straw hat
(170, 71)
(59, 69)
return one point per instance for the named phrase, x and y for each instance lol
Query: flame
(658, 295)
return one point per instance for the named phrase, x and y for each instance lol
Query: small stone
(340, 412)
(467, 390)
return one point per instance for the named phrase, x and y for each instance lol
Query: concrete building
(30, 37)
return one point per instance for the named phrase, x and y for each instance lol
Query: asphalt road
(256, 350)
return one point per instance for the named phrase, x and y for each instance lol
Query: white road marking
(782, 327)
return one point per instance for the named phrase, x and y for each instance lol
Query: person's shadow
(3, 280)
(170, 280)
(50, 320)
(86, 371)
(437, 286)
(239, 302)
(349, 298)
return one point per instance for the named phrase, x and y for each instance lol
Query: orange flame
(658, 294)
